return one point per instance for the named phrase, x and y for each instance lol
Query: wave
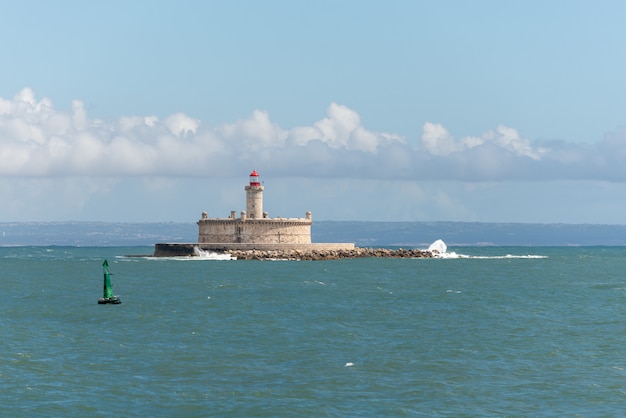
(210, 255)
(199, 255)
(439, 249)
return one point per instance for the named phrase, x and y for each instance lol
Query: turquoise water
(490, 335)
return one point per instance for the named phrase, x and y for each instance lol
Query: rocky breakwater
(329, 254)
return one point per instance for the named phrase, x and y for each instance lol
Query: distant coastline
(362, 233)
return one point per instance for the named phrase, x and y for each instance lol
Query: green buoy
(108, 296)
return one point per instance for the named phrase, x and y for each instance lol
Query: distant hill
(95, 233)
(422, 234)
(364, 234)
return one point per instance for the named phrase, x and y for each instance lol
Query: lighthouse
(254, 197)
(254, 230)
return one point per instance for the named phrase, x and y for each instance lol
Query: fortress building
(254, 226)
(252, 230)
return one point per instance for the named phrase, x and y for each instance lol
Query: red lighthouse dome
(254, 178)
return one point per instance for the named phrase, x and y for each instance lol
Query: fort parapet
(255, 231)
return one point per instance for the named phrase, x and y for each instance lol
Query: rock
(330, 254)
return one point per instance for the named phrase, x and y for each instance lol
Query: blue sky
(484, 111)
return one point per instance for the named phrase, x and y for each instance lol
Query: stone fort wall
(257, 231)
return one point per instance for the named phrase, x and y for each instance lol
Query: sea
(479, 331)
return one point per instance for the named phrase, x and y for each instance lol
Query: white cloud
(254, 133)
(437, 140)
(342, 129)
(79, 116)
(509, 139)
(179, 124)
(38, 140)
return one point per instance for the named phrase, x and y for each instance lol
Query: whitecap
(439, 249)
(438, 246)
(210, 255)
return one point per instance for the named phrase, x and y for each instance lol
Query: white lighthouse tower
(254, 197)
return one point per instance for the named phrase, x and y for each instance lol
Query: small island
(255, 236)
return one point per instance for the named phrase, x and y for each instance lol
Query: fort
(253, 232)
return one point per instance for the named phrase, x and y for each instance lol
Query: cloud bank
(37, 140)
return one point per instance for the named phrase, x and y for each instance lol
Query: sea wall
(325, 251)
(329, 254)
(194, 249)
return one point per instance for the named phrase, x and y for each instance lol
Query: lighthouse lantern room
(254, 178)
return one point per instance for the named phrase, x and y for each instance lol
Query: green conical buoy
(108, 296)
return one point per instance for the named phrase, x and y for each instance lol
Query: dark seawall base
(287, 252)
(191, 249)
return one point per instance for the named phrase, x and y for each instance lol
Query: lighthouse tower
(254, 197)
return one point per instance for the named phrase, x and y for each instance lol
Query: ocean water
(484, 331)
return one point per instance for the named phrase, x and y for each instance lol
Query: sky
(476, 111)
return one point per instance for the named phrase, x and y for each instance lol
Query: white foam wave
(199, 255)
(509, 256)
(439, 249)
(438, 246)
(210, 255)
